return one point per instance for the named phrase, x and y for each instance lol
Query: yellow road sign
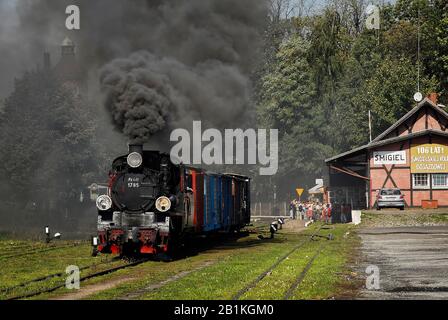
(299, 191)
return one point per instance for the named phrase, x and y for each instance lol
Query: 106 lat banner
(429, 158)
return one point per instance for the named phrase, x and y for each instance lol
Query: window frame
(434, 186)
(428, 181)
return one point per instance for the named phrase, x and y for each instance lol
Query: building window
(420, 180)
(440, 180)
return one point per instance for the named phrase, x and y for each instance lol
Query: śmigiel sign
(389, 157)
(429, 158)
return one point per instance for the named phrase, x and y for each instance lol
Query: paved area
(412, 262)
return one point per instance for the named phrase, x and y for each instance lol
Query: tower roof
(68, 68)
(67, 42)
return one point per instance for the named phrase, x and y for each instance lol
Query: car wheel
(401, 208)
(378, 207)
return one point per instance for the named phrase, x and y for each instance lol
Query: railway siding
(225, 279)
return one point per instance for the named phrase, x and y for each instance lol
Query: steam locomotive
(152, 204)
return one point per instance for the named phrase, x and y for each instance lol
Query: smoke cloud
(176, 60)
(198, 68)
(151, 66)
(147, 94)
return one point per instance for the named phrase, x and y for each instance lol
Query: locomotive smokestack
(136, 148)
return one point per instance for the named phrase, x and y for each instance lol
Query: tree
(49, 150)
(287, 104)
(388, 93)
(320, 104)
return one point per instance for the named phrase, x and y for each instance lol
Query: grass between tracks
(21, 269)
(216, 273)
(224, 279)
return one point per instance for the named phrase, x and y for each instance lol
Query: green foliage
(286, 90)
(47, 136)
(389, 91)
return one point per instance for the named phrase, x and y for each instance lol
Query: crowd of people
(310, 210)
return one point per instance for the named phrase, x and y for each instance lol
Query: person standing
(300, 210)
(291, 209)
(309, 212)
(328, 219)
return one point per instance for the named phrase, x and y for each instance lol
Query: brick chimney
(433, 97)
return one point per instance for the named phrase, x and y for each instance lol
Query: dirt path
(86, 291)
(294, 225)
(180, 275)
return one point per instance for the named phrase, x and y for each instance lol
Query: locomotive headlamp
(163, 204)
(134, 159)
(103, 202)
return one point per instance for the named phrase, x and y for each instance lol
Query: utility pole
(275, 197)
(370, 126)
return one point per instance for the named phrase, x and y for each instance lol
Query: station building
(411, 155)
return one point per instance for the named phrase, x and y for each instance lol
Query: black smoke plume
(147, 94)
(197, 65)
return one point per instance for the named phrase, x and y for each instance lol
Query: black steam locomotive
(152, 204)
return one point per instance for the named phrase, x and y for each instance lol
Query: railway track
(54, 275)
(8, 254)
(302, 275)
(11, 248)
(61, 285)
(299, 279)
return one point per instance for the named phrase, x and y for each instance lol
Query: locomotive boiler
(152, 205)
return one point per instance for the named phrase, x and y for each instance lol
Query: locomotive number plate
(133, 182)
(133, 185)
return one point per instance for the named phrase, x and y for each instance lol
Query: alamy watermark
(230, 149)
(373, 278)
(73, 21)
(73, 278)
(373, 17)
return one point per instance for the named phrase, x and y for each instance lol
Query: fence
(268, 209)
(341, 213)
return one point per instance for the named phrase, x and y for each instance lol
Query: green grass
(324, 276)
(224, 279)
(217, 273)
(17, 270)
(222, 259)
(327, 273)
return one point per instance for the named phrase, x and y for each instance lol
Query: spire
(67, 47)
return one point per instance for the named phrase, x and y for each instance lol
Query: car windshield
(390, 192)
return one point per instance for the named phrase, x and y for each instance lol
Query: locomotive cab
(139, 211)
